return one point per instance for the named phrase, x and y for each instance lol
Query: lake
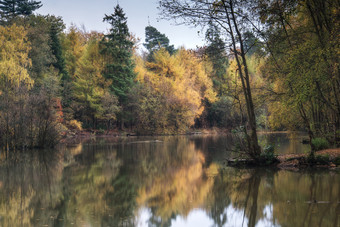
(162, 181)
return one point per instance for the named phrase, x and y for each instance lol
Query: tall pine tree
(12, 8)
(118, 49)
(154, 41)
(56, 28)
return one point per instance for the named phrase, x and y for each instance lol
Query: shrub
(74, 124)
(320, 143)
(268, 155)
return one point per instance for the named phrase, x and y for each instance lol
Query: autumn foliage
(175, 89)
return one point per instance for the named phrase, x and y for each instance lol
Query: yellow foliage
(182, 79)
(279, 118)
(14, 60)
(75, 44)
(74, 124)
(89, 85)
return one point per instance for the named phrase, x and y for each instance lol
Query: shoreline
(327, 158)
(91, 133)
(324, 159)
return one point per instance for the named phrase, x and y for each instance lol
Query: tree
(173, 93)
(303, 64)
(28, 117)
(251, 44)
(216, 52)
(38, 34)
(73, 43)
(56, 27)
(89, 88)
(14, 83)
(117, 49)
(231, 17)
(86, 88)
(9, 9)
(154, 41)
(14, 60)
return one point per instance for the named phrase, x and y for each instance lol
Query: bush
(320, 144)
(268, 155)
(269, 149)
(74, 124)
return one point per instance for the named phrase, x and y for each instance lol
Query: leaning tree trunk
(254, 150)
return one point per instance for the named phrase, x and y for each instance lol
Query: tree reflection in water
(111, 182)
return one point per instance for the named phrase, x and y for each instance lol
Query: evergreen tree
(154, 41)
(252, 44)
(12, 8)
(56, 28)
(217, 55)
(117, 49)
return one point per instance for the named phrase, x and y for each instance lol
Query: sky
(140, 13)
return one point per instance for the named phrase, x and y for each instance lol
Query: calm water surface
(162, 181)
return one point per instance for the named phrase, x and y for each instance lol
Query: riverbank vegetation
(266, 65)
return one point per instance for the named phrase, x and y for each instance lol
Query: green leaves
(154, 41)
(12, 8)
(117, 48)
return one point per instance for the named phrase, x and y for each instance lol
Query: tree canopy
(154, 41)
(9, 9)
(117, 48)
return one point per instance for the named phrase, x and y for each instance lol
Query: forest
(266, 65)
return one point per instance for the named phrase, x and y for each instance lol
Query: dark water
(163, 181)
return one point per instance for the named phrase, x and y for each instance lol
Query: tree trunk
(254, 148)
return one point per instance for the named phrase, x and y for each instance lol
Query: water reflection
(164, 181)
(285, 143)
(29, 188)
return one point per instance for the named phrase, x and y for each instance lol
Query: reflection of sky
(199, 217)
(268, 217)
(91, 13)
(195, 218)
(144, 215)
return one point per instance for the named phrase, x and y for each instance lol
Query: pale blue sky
(91, 13)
